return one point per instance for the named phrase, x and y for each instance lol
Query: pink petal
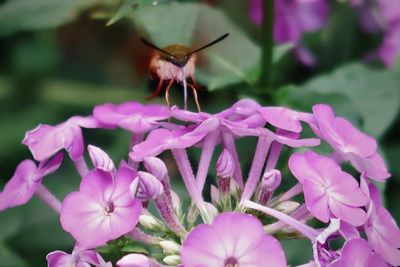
(98, 185)
(195, 253)
(282, 118)
(316, 201)
(347, 191)
(268, 253)
(351, 215)
(354, 140)
(241, 232)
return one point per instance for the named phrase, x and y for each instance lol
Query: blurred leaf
(229, 62)
(17, 15)
(127, 6)
(9, 258)
(134, 248)
(280, 51)
(374, 95)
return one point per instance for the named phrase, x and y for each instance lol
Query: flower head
(351, 144)
(381, 229)
(233, 239)
(329, 192)
(103, 208)
(78, 258)
(358, 253)
(132, 116)
(45, 140)
(27, 177)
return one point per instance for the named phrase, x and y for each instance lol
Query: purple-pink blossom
(25, 181)
(78, 258)
(233, 239)
(351, 144)
(45, 140)
(132, 116)
(103, 208)
(292, 17)
(358, 253)
(381, 229)
(329, 192)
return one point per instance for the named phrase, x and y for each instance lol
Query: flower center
(108, 208)
(231, 262)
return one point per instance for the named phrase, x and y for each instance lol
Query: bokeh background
(58, 59)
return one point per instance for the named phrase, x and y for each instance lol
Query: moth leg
(157, 91)
(167, 93)
(196, 99)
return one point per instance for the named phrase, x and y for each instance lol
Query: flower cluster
(248, 214)
(295, 17)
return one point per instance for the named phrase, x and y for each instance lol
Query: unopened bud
(170, 247)
(192, 214)
(215, 197)
(177, 204)
(100, 159)
(271, 179)
(156, 167)
(212, 210)
(287, 207)
(173, 260)
(225, 165)
(149, 186)
(151, 223)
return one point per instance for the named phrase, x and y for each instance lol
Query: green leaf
(134, 248)
(356, 92)
(229, 62)
(17, 15)
(280, 51)
(127, 6)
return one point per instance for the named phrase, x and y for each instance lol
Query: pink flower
(329, 192)
(103, 208)
(160, 140)
(26, 179)
(351, 144)
(284, 118)
(78, 258)
(132, 116)
(381, 229)
(134, 260)
(292, 17)
(45, 140)
(233, 239)
(358, 253)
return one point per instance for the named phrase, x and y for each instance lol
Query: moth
(176, 63)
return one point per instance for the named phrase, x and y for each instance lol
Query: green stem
(265, 81)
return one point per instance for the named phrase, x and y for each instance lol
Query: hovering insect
(176, 63)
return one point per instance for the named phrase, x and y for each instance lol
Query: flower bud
(100, 159)
(172, 260)
(225, 165)
(151, 223)
(170, 247)
(156, 167)
(215, 197)
(133, 259)
(287, 207)
(271, 179)
(192, 214)
(149, 186)
(212, 210)
(177, 204)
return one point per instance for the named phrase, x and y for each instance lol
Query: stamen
(108, 208)
(231, 262)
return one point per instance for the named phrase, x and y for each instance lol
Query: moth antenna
(155, 47)
(210, 44)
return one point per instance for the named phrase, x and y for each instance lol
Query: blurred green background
(58, 58)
